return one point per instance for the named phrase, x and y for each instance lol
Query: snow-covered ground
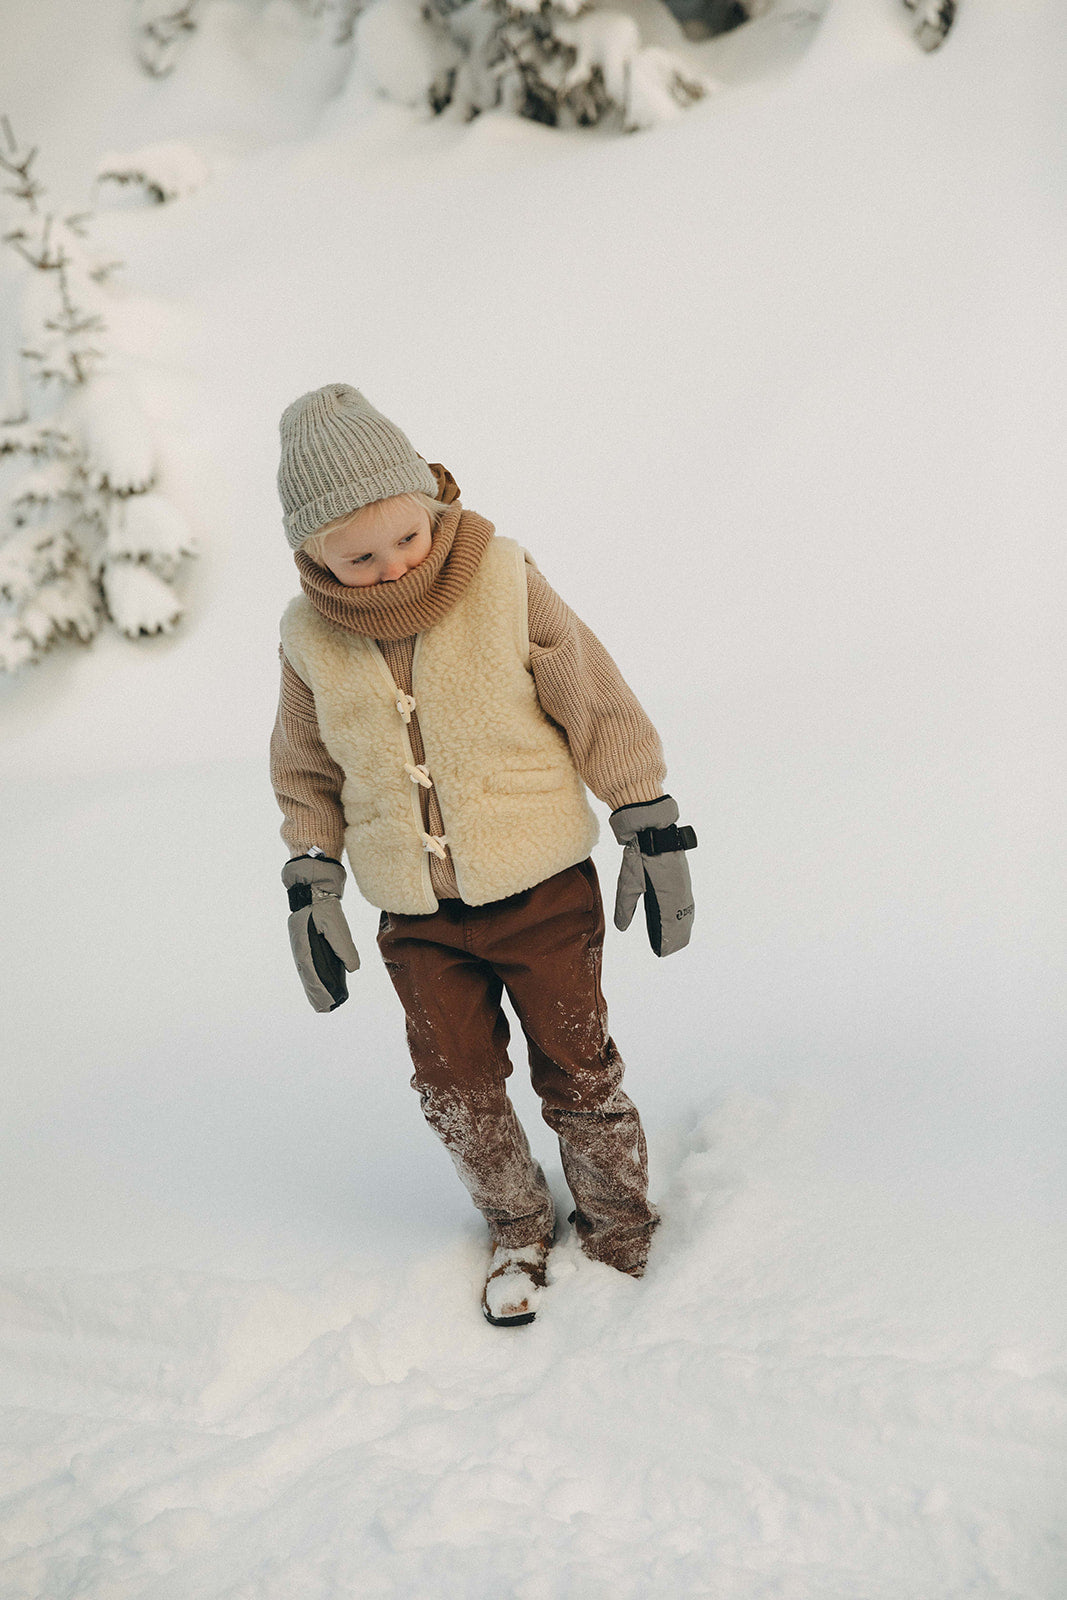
(774, 396)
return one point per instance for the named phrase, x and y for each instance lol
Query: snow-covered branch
(160, 172)
(933, 19)
(163, 26)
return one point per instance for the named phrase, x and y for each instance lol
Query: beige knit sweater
(612, 742)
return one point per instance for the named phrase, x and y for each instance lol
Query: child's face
(378, 543)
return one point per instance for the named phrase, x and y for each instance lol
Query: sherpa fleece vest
(514, 806)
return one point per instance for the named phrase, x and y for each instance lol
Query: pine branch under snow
(66, 605)
(17, 648)
(405, 52)
(62, 316)
(138, 600)
(146, 527)
(31, 556)
(34, 439)
(604, 41)
(659, 87)
(42, 485)
(163, 172)
(120, 449)
(163, 27)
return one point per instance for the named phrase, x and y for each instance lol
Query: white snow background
(774, 395)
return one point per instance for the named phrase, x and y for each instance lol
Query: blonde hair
(315, 543)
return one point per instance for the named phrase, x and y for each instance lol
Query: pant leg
(548, 948)
(458, 1036)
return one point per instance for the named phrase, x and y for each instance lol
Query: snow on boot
(514, 1284)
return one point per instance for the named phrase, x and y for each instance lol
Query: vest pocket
(359, 812)
(524, 780)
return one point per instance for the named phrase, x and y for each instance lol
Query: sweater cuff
(635, 794)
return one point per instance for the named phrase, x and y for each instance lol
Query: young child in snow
(441, 713)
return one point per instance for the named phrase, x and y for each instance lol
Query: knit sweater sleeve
(307, 780)
(613, 744)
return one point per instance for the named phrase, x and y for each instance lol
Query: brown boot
(514, 1284)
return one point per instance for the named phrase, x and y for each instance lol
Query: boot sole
(509, 1322)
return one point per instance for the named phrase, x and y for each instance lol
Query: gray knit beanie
(338, 454)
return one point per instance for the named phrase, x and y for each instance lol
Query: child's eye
(359, 560)
(408, 538)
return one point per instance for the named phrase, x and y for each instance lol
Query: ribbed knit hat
(338, 454)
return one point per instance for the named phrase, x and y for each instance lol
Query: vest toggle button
(435, 843)
(405, 705)
(419, 775)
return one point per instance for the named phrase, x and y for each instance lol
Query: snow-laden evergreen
(566, 63)
(561, 62)
(76, 449)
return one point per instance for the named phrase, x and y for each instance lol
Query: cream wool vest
(514, 807)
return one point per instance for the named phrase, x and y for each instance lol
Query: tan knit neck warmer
(422, 596)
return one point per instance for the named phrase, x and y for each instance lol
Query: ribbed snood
(391, 611)
(417, 600)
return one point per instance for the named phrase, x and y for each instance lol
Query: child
(441, 713)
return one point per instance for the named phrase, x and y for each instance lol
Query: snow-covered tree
(568, 62)
(563, 62)
(85, 536)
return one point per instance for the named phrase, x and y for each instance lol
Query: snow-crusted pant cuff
(544, 947)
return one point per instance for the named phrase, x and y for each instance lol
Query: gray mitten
(654, 865)
(322, 945)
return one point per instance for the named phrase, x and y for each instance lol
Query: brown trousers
(544, 947)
